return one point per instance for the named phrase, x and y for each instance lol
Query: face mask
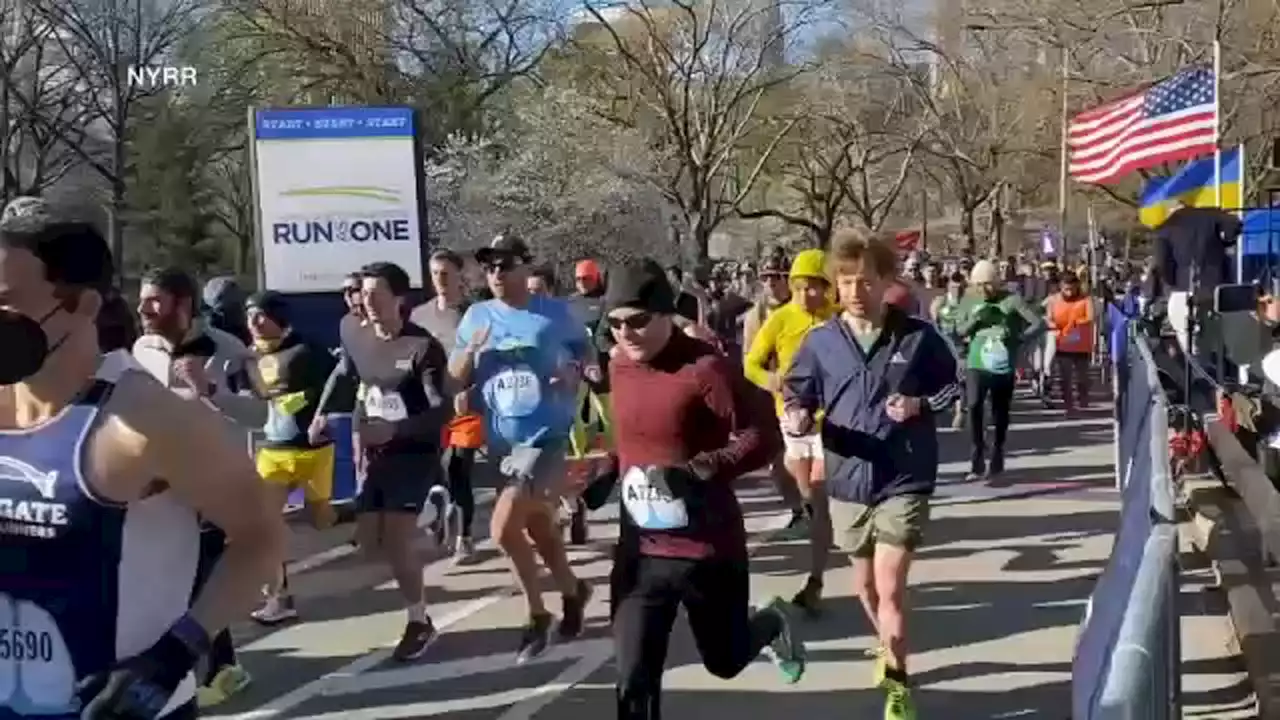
(26, 345)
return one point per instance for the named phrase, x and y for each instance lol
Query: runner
(522, 353)
(355, 320)
(401, 411)
(995, 324)
(197, 360)
(944, 312)
(1071, 320)
(774, 347)
(289, 375)
(542, 282)
(776, 293)
(100, 511)
(465, 433)
(688, 428)
(879, 376)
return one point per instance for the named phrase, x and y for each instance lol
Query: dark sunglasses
(503, 265)
(350, 290)
(639, 321)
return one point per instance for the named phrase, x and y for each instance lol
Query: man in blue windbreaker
(877, 378)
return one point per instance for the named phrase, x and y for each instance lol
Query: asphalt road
(997, 596)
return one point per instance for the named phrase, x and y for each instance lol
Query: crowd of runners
(134, 528)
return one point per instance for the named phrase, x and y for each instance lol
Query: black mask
(26, 346)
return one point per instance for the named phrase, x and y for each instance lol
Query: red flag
(907, 240)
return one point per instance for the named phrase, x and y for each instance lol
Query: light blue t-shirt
(525, 349)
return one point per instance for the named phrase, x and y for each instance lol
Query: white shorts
(804, 447)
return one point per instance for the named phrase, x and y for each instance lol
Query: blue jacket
(868, 456)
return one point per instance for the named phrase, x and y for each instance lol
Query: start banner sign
(337, 188)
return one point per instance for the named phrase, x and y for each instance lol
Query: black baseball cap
(504, 246)
(642, 285)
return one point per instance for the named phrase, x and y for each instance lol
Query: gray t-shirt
(442, 323)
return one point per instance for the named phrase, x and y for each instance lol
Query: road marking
(347, 674)
(316, 687)
(478, 665)
(541, 697)
(337, 552)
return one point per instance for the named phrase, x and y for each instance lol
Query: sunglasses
(639, 321)
(503, 265)
(350, 290)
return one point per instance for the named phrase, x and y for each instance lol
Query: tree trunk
(969, 231)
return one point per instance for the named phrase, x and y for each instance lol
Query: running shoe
(898, 703)
(809, 599)
(275, 609)
(227, 682)
(464, 550)
(571, 620)
(415, 641)
(534, 638)
(879, 668)
(787, 649)
(797, 528)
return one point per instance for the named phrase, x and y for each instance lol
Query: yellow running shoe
(229, 681)
(898, 704)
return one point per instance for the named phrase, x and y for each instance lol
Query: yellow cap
(810, 264)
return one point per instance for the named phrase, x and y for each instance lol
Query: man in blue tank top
(99, 501)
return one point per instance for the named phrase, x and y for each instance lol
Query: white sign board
(337, 188)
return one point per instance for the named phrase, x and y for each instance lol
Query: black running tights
(458, 466)
(647, 593)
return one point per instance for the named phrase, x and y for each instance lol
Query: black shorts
(398, 482)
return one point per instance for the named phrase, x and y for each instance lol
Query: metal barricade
(1128, 657)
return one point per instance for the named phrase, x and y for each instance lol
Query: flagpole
(1062, 163)
(1217, 123)
(1242, 159)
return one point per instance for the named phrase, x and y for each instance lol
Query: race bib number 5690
(36, 673)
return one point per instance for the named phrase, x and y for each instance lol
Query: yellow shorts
(308, 468)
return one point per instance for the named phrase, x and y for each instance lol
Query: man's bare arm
(166, 433)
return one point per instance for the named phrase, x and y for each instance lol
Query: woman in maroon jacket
(686, 428)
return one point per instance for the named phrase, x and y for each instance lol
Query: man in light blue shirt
(521, 357)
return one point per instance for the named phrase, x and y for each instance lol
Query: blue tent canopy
(1261, 234)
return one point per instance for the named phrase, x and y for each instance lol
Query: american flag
(1175, 119)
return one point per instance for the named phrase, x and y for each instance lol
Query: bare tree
(451, 56)
(852, 150)
(698, 79)
(100, 41)
(975, 89)
(34, 84)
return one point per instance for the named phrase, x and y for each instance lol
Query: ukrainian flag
(1193, 186)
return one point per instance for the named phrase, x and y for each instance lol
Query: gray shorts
(540, 470)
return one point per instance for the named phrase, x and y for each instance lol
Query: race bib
(515, 392)
(281, 425)
(650, 503)
(36, 673)
(385, 405)
(994, 355)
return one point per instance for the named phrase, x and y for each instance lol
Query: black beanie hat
(272, 304)
(640, 284)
